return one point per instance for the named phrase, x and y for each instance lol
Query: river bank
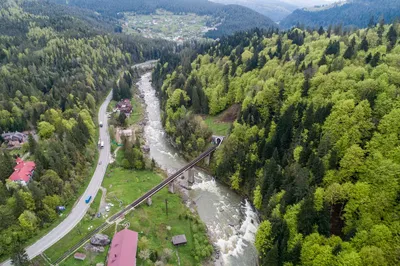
(156, 224)
(231, 221)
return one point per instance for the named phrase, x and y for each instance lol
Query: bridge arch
(217, 140)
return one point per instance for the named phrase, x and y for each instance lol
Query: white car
(107, 208)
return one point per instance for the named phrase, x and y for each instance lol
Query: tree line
(315, 145)
(56, 67)
(229, 18)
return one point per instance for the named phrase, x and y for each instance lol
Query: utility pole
(166, 206)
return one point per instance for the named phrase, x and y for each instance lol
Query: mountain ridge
(355, 13)
(233, 17)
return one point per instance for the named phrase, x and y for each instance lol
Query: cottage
(179, 240)
(123, 249)
(23, 172)
(14, 139)
(124, 106)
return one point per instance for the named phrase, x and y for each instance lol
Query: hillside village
(168, 26)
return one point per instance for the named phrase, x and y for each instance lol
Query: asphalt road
(80, 208)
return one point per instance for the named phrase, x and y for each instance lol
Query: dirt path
(103, 203)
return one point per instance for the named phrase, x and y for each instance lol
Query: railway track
(134, 204)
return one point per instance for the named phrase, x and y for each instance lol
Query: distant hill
(274, 9)
(350, 13)
(233, 17)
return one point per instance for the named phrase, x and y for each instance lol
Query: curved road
(80, 208)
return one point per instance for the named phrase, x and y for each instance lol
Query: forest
(56, 66)
(315, 145)
(230, 17)
(356, 13)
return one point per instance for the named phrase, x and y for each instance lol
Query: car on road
(100, 163)
(87, 200)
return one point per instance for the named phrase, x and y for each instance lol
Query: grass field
(217, 127)
(137, 113)
(77, 233)
(153, 221)
(166, 25)
(150, 221)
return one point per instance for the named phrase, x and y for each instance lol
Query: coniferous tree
(375, 59)
(333, 48)
(6, 166)
(323, 60)
(196, 101)
(122, 119)
(233, 69)
(19, 256)
(252, 63)
(32, 144)
(350, 51)
(226, 70)
(262, 61)
(381, 29)
(321, 31)
(368, 58)
(392, 37)
(364, 44)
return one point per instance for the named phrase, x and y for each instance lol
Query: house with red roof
(23, 171)
(123, 249)
(124, 106)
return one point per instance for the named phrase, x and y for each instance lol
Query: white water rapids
(231, 221)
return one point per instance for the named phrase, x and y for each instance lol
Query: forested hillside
(274, 9)
(56, 67)
(316, 143)
(355, 13)
(232, 17)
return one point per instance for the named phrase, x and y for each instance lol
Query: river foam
(231, 221)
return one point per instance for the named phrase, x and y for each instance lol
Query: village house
(14, 139)
(123, 249)
(124, 106)
(23, 172)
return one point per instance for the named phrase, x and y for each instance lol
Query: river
(231, 221)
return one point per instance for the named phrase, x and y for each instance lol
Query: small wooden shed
(80, 256)
(179, 240)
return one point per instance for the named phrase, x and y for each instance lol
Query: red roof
(123, 249)
(23, 171)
